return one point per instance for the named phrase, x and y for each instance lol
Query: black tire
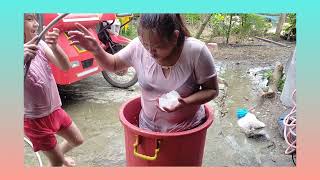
(109, 77)
(121, 81)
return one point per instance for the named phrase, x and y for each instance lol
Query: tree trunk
(274, 81)
(282, 20)
(229, 28)
(203, 25)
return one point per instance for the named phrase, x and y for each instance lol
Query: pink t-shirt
(194, 67)
(41, 96)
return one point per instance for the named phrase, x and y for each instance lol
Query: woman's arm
(109, 61)
(207, 77)
(86, 40)
(209, 90)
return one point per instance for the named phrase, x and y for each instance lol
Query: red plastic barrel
(146, 148)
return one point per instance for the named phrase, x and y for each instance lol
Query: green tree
(203, 25)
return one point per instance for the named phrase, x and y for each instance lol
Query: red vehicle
(104, 28)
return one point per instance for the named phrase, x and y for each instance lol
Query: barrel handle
(145, 157)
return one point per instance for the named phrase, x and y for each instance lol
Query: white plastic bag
(169, 100)
(249, 123)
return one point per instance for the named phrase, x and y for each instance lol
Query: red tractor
(104, 27)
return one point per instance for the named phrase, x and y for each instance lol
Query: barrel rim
(138, 131)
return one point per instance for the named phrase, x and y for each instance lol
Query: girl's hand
(30, 49)
(51, 37)
(84, 38)
(180, 105)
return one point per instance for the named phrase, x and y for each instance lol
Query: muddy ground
(239, 61)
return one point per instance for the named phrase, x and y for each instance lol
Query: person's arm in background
(30, 50)
(54, 52)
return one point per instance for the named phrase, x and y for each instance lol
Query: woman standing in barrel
(166, 59)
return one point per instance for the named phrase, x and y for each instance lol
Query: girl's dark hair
(164, 25)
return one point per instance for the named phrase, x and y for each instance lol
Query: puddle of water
(30, 159)
(94, 105)
(257, 75)
(92, 118)
(239, 93)
(226, 145)
(103, 133)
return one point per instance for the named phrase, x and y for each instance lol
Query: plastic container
(146, 148)
(241, 112)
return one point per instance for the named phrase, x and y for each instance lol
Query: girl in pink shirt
(166, 59)
(43, 115)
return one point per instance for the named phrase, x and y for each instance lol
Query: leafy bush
(289, 29)
(291, 20)
(192, 19)
(251, 25)
(242, 25)
(130, 33)
(217, 25)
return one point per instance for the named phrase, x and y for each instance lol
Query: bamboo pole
(274, 42)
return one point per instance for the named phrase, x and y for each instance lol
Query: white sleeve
(127, 54)
(204, 67)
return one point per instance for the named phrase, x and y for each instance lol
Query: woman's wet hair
(164, 25)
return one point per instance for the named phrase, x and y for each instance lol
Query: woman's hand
(182, 103)
(30, 49)
(84, 38)
(51, 37)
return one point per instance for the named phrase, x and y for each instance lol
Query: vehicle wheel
(123, 79)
